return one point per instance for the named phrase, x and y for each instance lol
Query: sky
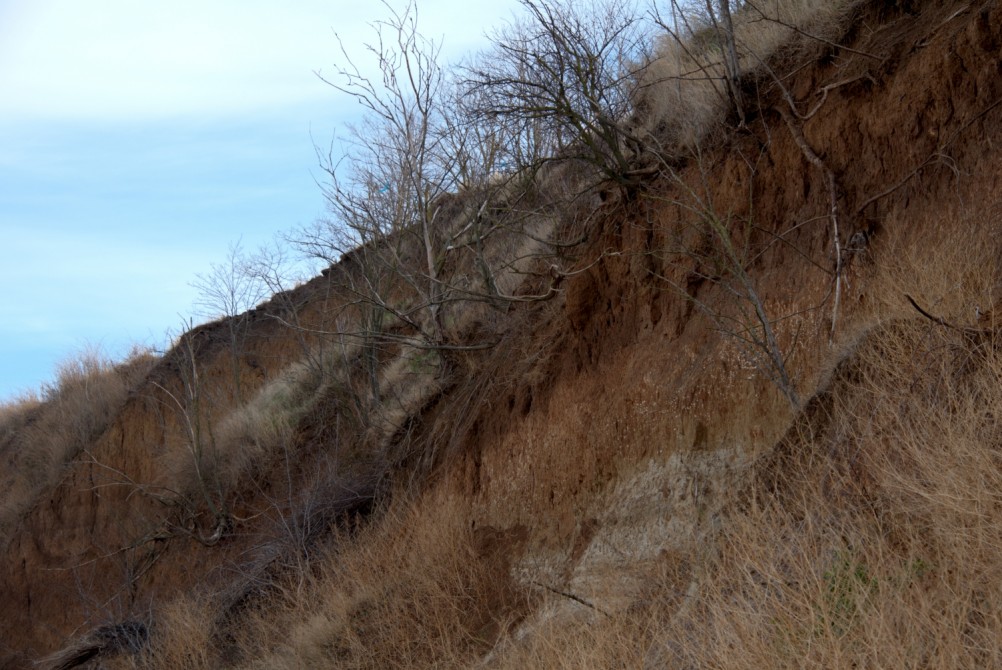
(140, 139)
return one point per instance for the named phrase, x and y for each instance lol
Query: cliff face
(628, 377)
(612, 427)
(639, 416)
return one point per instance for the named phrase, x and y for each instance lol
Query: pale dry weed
(682, 94)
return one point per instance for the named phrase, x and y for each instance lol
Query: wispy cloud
(122, 59)
(139, 137)
(64, 59)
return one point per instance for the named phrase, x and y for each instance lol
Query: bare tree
(394, 180)
(569, 68)
(229, 290)
(417, 212)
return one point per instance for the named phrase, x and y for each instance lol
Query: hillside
(738, 411)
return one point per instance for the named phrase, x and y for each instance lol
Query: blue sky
(140, 139)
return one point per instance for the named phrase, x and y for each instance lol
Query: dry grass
(253, 433)
(956, 279)
(412, 593)
(247, 440)
(182, 638)
(682, 92)
(872, 535)
(408, 382)
(871, 538)
(415, 590)
(326, 385)
(16, 412)
(875, 537)
(40, 435)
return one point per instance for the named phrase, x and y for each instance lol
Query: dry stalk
(798, 136)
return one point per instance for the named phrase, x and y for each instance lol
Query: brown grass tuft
(40, 434)
(181, 637)
(417, 589)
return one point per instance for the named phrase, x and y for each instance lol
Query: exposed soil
(613, 420)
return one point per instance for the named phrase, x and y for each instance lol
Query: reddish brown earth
(574, 427)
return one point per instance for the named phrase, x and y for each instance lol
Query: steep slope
(602, 453)
(641, 401)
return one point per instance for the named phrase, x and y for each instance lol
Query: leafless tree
(568, 70)
(394, 179)
(382, 192)
(419, 201)
(229, 290)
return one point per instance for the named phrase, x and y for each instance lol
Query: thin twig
(829, 176)
(571, 596)
(932, 157)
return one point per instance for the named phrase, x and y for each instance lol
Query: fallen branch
(967, 331)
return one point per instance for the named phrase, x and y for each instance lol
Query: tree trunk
(725, 30)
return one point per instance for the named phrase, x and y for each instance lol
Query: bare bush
(570, 70)
(229, 291)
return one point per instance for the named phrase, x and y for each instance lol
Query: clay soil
(619, 413)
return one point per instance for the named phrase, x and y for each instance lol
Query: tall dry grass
(871, 537)
(682, 92)
(181, 637)
(418, 589)
(875, 538)
(41, 433)
(248, 437)
(330, 394)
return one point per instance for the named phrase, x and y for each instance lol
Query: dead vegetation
(867, 537)
(871, 538)
(41, 435)
(419, 589)
(682, 93)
